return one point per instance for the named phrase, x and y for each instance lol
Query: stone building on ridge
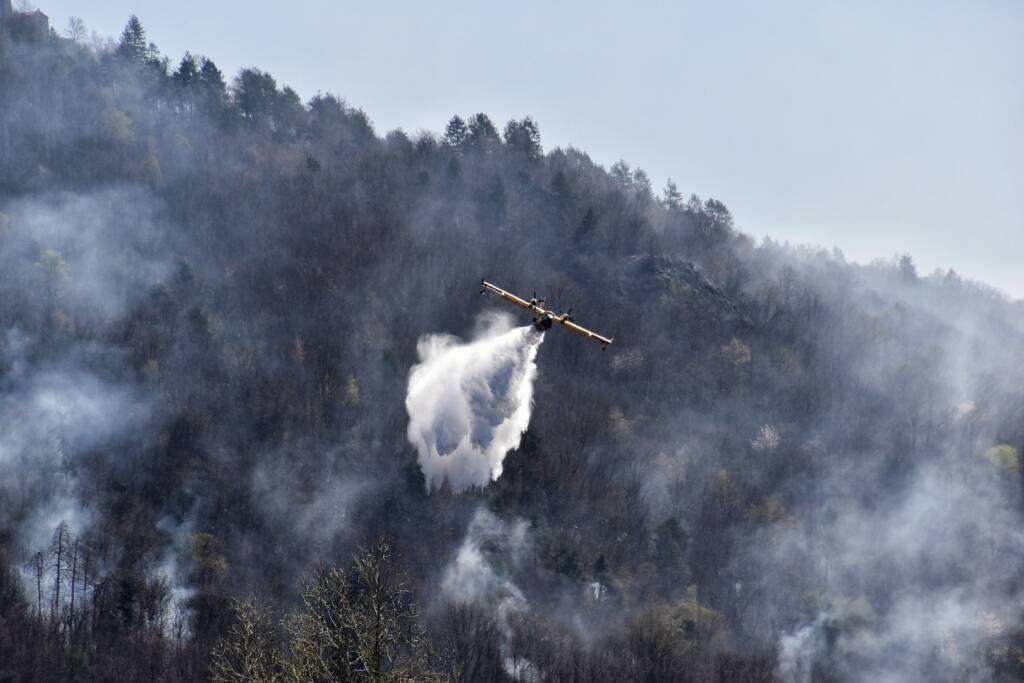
(31, 26)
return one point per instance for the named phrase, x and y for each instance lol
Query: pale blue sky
(877, 127)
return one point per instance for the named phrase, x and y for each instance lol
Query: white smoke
(922, 583)
(480, 570)
(481, 573)
(798, 650)
(173, 567)
(469, 403)
(50, 417)
(112, 241)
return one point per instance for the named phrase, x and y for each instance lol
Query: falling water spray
(470, 402)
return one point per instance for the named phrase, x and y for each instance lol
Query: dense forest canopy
(786, 467)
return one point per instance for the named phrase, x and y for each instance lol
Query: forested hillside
(787, 467)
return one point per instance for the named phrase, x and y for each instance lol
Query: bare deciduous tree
(250, 653)
(75, 29)
(360, 624)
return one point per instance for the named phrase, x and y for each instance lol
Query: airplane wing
(543, 319)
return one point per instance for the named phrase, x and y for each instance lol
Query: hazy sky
(875, 127)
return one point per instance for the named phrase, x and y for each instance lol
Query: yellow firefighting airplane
(542, 318)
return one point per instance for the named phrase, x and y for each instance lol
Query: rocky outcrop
(675, 287)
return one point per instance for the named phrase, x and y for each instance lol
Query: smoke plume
(469, 403)
(481, 573)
